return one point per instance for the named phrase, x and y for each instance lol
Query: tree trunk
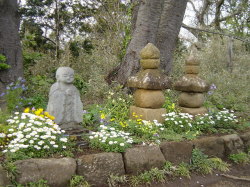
(157, 22)
(10, 45)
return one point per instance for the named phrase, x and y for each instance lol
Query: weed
(115, 180)
(240, 158)
(78, 181)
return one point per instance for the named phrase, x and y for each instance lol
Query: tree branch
(49, 40)
(214, 32)
(193, 6)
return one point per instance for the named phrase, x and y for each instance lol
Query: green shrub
(13, 95)
(3, 65)
(202, 164)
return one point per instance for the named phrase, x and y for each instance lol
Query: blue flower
(2, 94)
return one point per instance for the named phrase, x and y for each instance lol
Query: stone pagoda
(192, 88)
(149, 81)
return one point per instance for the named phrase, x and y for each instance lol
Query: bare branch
(218, 13)
(247, 40)
(193, 6)
(204, 10)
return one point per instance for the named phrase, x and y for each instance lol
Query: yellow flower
(26, 110)
(51, 117)
(37, 112)
(46, 114)
(103, 116)
(40, 109)
(42, 116)
(113, 119)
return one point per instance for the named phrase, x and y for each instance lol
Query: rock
(96, 168)
(150, 63)
(149, 98)
(148, 114)
(191, 83)
(151, 79)
(191, 100)
(246, 139)
(233, 144)
(64, 99)
(211, 146)
(177, 152)
(139, 159)
(193, 61)
(4, 180)
(57, 172)
(193, 111)
(192, 69)
(150, 52)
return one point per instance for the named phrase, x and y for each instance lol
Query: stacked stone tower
(150, 82)
(192, 89)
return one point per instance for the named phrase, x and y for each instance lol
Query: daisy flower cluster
(221, 119)
(179, 122)
(34, 135)
(111, 140)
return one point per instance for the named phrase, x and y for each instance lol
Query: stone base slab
(194, 111)
(147, 113)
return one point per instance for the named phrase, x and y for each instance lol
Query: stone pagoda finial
(150, 82)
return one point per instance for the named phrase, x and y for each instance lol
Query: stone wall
(97, 167)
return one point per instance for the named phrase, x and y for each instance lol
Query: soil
(214, 180)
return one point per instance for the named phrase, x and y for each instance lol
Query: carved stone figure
(64, 100)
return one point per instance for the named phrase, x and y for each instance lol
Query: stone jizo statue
(64, 100)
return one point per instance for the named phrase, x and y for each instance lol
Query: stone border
(97, 167)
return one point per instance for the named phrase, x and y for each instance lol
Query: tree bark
(157, 22)
(10, 45)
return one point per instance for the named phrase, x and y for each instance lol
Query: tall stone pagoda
(149, 81)
(192, 88)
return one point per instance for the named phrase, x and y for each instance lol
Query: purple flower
(84, 112)
(213, 87)
(7, 88)
(209, 92)
(2, 94)
(156, 135)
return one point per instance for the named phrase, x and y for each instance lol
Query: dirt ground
(214, 180)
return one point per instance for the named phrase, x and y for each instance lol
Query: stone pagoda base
(148, 113)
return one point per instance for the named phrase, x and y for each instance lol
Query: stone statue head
(65, 75)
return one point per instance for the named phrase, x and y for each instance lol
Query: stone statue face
(65, 75)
